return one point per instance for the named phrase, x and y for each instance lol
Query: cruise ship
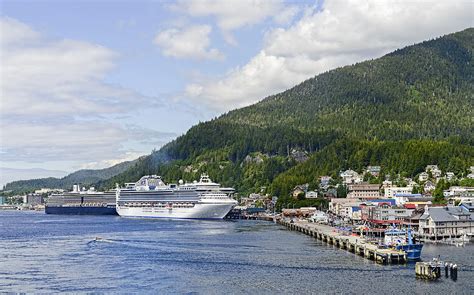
(81, 202)
(150, 197)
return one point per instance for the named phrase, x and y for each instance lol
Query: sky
(88, 84)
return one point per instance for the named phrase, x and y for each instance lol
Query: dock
(353, 244)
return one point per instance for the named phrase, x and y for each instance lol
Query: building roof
(438, 214)
(390, 201)
(364, 187)
(407, 195)
(420, 199)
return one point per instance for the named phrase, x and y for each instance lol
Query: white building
(350, 176)
(363, 190)
(456, 191)
(450, 176)
(390, 192)
(446, 222)
(311, 195)
(336, 205)
(373, 170)
(471, 175)
(349, 210)
(435, 171)
(429, 187)
(423, 177)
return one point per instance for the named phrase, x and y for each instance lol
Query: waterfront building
(390, 192)
(3, 200)
(384, 214)
(413, 221)
(252, 199)
(34, 199)
(336, 205)
(439, 223)
(363, 190)
(350, 211)
(301, 212)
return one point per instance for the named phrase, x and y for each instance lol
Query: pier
(354, 244)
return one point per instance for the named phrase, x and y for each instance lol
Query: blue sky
(86, 84)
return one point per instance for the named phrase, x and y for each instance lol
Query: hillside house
(324, 181)
(350, 177)
(435, 171)
(450, 176)
(311, 195)
(423, 177)
(373, 170)
(429, 187)
(299, 189)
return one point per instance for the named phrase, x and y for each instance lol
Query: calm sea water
(51, 253)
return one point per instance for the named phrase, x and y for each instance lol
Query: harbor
(353, 244)
(247, 256)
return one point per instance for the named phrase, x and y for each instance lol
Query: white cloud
(13, 32)
(85, 141)
(344, 32)
(54, 102)
(60, 77)
(234, 14)
(192, 42)
(127, 156)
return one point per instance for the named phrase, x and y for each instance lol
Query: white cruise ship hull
(199, 211)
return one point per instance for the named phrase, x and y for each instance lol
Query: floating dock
(354, 244)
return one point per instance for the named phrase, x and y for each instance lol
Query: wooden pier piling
(356, 245)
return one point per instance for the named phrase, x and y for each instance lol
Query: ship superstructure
(151, 197)
(82, 202)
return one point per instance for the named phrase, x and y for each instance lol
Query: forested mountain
(403, 111)
(84, 177)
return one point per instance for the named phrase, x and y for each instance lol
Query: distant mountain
(413, 101)
(84, 177)
(12, 174)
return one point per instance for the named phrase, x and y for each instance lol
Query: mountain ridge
(84, 177)
(421, 93)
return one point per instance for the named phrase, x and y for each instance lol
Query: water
(53, 253)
